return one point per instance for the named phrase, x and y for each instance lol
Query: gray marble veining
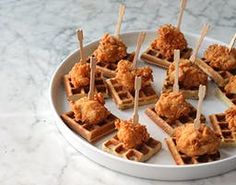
(35, 37)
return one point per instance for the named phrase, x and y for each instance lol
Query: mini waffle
(109, 69)
(124, 99)
(141, 153)
(183, 159)
(220, 126)
(153, 56)
(90, 132)
(227, 98)
(219, 77)
(169, 127)
(187, 93)
(74, 93)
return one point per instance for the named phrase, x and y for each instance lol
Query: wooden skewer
(199, 42)
(201, 95)
(140, 41)
(182, 7)
(231, 44)
(92, 78)
(137, 88)
(176, 60)
(119, 21)
(80, 38)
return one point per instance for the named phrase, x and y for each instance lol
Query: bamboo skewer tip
(92, 78)
(201, 95)
(80, 37)
(137, 86)
(199, 42)
(119, 21)
(183, 4)
(140, 40)
(176, 61)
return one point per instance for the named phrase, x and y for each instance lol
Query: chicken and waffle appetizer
(190, 77)
(132, 140)
(111, 50)
(218, 62)
(225, 125)
(169, 38)
(77, 81)
(126, 75)
(189, 74)
(122, 85)
(171, 111)
(89, 117)
(194, 142)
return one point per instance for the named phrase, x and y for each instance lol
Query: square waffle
(74, 93)
(220, 126)
(183, 159)
(227, 98)
(153, 56)
(141, 153)
(124, 99)
(219, 77)
(90, 132)
(165, 124)
(109, 69)
(187, 93)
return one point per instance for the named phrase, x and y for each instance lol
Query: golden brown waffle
(168, 126)
(221, 126)
(183, 159)
(74, 93)
(187, 93)
(90, 132)
(227, 98)
(109, 69)
(141, 153)
(219, 77)
(153, 56)
(124, 99)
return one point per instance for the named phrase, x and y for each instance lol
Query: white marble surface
(35, 37)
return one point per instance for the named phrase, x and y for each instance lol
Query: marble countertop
(35, 37)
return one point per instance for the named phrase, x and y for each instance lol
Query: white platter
(161, 166)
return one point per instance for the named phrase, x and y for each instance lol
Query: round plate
(161, 166)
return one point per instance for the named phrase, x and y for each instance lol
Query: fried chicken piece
(126, 75)
(220, 58)
(230, 87)
(80, 75)
(169, 39)
(172, 105)
(230, 116)
(90, 111)
(194, 142)
(190, 75)
(130, 134)
(110, 49)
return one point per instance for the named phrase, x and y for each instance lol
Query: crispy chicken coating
(126, 75)
(230, 87)
(193, 142)
(230, 116)
(190, 75)
(131, 135)
(80, 75)
(110, 49)
(220, 58)
(169, 39)
(90, 111)
(172, 105)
